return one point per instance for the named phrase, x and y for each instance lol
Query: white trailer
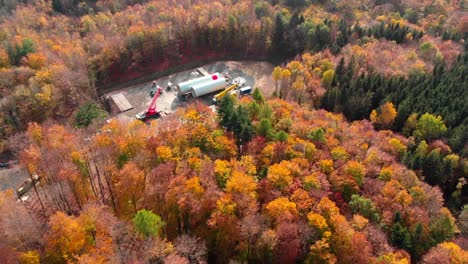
(184, 87)
(208, 87)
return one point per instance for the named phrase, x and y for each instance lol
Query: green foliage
(394, 31)
(440, 93)
(319, 37)
(281, 136)
(236, 120)
(265, 112)
(420, 243)
(243, 129)
(258, 96)
(147, 223)
(410, 124)
(262, 9)
(265, 129)
(400, 237)
(411, 15)
(18, 51)
(122, 159)
(442, 229)
(279, 42)
(318, 135)
(429, 127)
(295, 3)
(435, 167)
(254, 110)
(284, 124)
(430, 52)
(458, 137)
(87, 113)
(226, 112)
(57, 6)
(364, 207)
(327, 78)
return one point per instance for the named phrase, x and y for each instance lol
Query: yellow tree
(282, 208)
(279, 175)
(298, 87)
(4, 60)
(36, 60)
(327, 78)
(446, 252)
(356, 170)
(388, 114)
(385, 117)
(129, 187)
(66, 236)
(277, 75)
(99, 225)
(286, 77)
(242, 183)
(30, 257)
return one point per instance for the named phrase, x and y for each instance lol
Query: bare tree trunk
(35, 190)
(79, 203)
(90, 175)
(63, 197)
(110, 190)
(99, 182)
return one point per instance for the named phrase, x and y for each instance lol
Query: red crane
(152, 111)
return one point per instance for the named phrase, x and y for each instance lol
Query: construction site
(207, 84)
(158, 99)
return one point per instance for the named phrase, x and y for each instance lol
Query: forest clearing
(233, 131)
(256, 74)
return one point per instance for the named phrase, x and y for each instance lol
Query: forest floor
(257, 74)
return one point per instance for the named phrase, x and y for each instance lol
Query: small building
(121, 102)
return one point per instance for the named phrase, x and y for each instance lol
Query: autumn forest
(359, 155)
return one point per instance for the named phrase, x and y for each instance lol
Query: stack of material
(203, 71)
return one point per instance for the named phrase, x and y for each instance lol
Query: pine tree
(258, 96)
(226, 112)
(399, 235)
(265, 128)
(278, 35)
(242, 127)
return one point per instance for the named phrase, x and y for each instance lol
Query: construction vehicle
(220, 96)
(152, 111)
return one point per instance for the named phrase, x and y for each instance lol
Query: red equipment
(152, 111)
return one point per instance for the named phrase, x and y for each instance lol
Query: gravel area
(12, 177)
(255, 74)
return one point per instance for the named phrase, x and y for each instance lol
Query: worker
(154, 84)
